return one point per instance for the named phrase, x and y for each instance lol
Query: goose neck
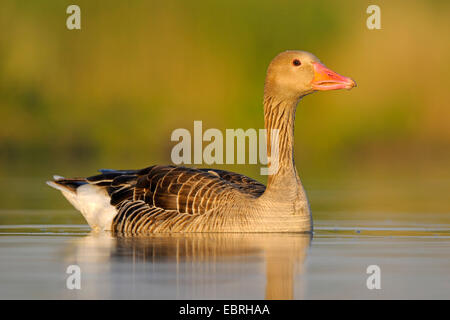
(279, 118)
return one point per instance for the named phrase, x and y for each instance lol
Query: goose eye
(296, 62)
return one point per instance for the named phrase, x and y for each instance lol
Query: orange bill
(326, 79)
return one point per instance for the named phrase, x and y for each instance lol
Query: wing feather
(168, 197)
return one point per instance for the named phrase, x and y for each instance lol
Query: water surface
(414, 260)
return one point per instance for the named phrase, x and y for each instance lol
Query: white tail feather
(92, 201)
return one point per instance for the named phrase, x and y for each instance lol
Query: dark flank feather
(166, 196)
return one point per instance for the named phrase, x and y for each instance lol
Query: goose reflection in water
(192, 266)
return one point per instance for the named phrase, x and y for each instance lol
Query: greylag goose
(179, 199)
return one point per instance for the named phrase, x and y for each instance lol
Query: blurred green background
(109, 95)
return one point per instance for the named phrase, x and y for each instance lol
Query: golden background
(109, 95)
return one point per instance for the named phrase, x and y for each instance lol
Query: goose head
(294, 74)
